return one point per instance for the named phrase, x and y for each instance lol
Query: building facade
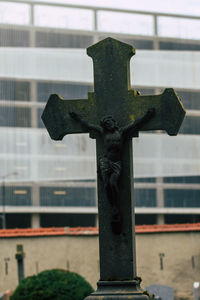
(42, 51)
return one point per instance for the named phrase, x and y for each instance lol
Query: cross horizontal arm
(139, 123)
(57, 119)
(89, 126)
(169, 111)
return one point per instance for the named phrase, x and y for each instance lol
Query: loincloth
(108, 167)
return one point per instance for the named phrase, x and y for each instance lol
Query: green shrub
(53, 285)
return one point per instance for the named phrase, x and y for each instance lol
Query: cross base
(119, 290)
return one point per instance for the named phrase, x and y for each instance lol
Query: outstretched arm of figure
(77, 118)
(138, 124)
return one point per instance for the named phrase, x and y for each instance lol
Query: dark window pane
(67, 91)
(190, 125)
(71, 220)
(52, 196)
(16, 196)
(146, 219)
(18, 221)
(14, 38)
(191, 100)
(39, 120)
(139, 44)
(14, 90)
(145, 197)
(182, 198)
(182, 179)
(145, 179)
(179, 46)
(61, 40)
(15, 116)
(136, 43)
(177, 219)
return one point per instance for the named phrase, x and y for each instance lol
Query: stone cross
(113, 114)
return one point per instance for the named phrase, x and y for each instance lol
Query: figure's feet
(116, 222)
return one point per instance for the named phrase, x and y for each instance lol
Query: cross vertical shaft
(111, 61)
(117, 252)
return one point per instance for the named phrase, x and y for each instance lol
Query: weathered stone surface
(113, 96)
(121, 290)
(56, 115)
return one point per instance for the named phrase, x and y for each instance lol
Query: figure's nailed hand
(73, 115)
(151, 112)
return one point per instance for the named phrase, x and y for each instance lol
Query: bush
(53, 285)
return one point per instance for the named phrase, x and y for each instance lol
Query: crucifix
(114, 114)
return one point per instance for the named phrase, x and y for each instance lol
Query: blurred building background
(42, 51)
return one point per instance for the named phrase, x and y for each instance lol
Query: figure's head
(109, 124)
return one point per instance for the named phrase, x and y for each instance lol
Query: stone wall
(179, 269)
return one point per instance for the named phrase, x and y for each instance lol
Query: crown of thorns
(106, 118)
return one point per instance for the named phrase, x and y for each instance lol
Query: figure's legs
(107, 188)
(114, 180)
(110, 180)
(116, 221)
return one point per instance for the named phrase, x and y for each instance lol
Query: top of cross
(113, 95)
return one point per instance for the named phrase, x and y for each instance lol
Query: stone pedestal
(119, 290)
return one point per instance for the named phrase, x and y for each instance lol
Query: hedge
(53, 284)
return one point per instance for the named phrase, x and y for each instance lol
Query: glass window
(191, 100)
(16, 195)
(145, 179)
(14, 13)
(145, 197)
(179, 27)
(67, 91)
(39, 119)
(139, 44)
(190, 125)
(178, 219)
(18, 221)
(15, 116)
(182, 179)
(53, 196)
(125, 23)
(14, 38)
(61, 40)
(62, 17)
(145, 219)
(178, 46)
(182, 198)
(63, 220)
(14, 90)
(136, 43)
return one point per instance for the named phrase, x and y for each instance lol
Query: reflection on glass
(14, 38)
(190, 99)
(125, 23)
(145, 197)
(182, 198)
(179, 28)
(15, 116)
(17, 196)
(62, 40)
(61, 17)
(56, 196)
(190, 125)
(180, 46)
(14, 13)
(14, 90)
